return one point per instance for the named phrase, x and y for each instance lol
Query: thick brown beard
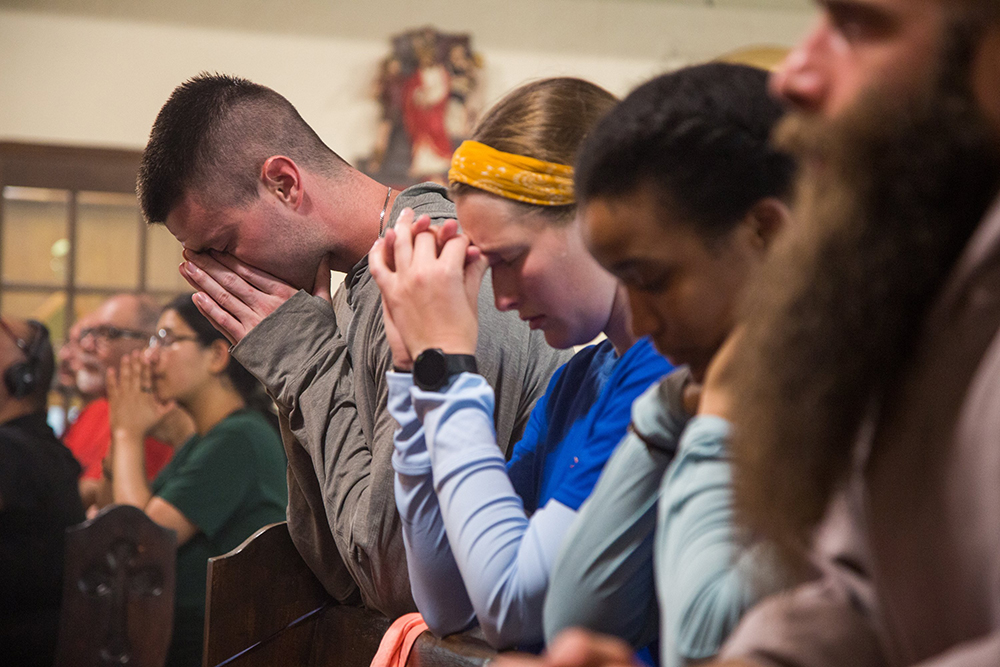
(886, 200)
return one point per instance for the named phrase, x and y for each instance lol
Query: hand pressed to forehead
(442, 234)
(235, 296)
(429, 279)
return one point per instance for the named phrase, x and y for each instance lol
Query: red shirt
(90, 436)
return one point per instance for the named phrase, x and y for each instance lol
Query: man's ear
(281, 177)
(767, 218)
(220, 356)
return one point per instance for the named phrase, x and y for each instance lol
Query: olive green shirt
(229, 483)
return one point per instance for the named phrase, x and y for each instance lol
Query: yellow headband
(517, 177)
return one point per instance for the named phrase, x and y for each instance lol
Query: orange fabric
(398, 640)
(90, 437)
(516, 177)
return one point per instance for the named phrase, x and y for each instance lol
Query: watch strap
(432, 369)
(460, 363)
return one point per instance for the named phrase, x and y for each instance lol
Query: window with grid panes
(71, 234)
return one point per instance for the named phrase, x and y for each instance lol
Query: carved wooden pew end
(118, 591)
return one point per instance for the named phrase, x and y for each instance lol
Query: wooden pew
(266, 608)
(118, 591)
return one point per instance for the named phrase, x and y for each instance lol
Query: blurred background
(82, 80)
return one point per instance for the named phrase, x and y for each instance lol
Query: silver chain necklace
(385, 206)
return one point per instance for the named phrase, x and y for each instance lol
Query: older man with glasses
(120, 325)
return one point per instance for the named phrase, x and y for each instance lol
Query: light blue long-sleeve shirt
(464, 519)
(661, 524)
(706, 576)
(501, 558)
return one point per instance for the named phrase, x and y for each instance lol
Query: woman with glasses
(224, 483)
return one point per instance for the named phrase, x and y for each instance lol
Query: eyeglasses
(164, 338)
(106, 333)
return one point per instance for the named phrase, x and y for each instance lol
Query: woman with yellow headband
(481, 534)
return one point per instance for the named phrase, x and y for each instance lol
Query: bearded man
(864, 391)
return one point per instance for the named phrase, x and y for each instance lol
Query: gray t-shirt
(326, 369)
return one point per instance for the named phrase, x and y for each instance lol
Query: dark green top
(229, 483)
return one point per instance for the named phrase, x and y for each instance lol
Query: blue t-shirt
(579, 421)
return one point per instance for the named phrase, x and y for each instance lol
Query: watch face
(430, 370)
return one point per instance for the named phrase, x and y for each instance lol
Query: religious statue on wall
(428, 90)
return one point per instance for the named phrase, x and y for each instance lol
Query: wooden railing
(265, 607)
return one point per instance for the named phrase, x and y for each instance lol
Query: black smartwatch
(433, 368)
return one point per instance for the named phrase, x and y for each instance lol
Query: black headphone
(22, 377)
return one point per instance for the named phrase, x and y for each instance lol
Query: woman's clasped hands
(134, 408)
(429, 278)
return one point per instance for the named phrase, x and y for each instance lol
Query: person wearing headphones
(38, 498)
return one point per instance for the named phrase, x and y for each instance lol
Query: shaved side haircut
(214, 134)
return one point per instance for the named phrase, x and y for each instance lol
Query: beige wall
(99, 80)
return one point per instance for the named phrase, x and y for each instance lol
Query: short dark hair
(215, 132)
(700, 136)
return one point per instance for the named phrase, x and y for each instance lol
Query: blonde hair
(546, 120)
